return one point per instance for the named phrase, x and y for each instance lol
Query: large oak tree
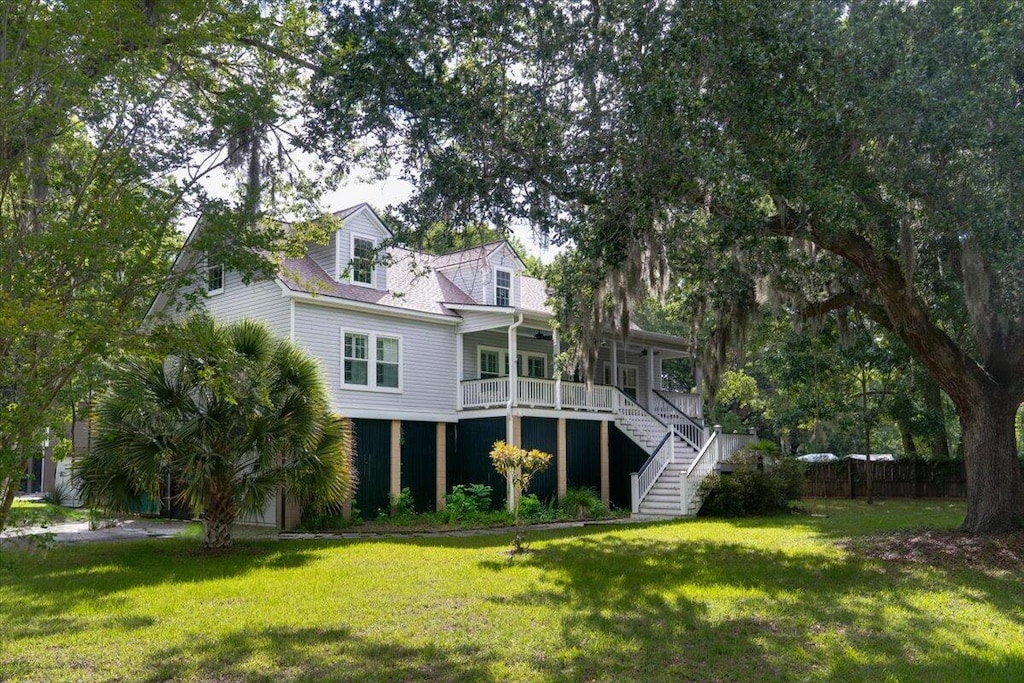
(878, 142)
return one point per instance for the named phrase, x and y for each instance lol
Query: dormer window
(215, 279)
(361, 264)
(502, 288)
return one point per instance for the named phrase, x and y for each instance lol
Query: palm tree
(234, 413)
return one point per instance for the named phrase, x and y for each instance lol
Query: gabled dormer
(491, 273)
(504, 269)
(352, 255)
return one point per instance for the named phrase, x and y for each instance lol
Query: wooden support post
(441, 486)
(396, 461)
(605, 479)
(560, 453)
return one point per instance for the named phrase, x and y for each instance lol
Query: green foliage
(403, 505)
(582, 503)
(113, 119)
(465, 502)
(762, 482)
(58, 496)
(230, 411)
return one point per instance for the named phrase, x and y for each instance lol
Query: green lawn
(749, 600)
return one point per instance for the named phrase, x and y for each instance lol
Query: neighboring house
(436, 357)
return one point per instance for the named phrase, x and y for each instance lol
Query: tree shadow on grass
(701, 610)
(44, 587)
(311, 654)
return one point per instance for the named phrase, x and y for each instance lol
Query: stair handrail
(702, 465)
(714, 451)
(642, 481)
(689, 430)
(637, 413)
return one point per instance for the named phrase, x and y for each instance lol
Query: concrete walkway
(79, 532)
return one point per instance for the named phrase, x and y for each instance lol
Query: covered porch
(508, 358)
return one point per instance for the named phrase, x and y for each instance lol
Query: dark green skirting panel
(471, 463)
(373, 463)
(419, 463)
(542, 433)
(624, 458)
(583, 454)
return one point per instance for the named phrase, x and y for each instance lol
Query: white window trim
(223, 277)
(503, 361)
(372, 284)
(371, 362)
(511, 285)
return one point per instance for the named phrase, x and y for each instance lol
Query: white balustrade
(691, 405)
(485, 393)
(718, 447)
(641, 482)
(536, 392)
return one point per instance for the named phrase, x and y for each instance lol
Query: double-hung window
(214, 279)
(387, 362)
(502, 288)
(361, 264)
(356, 362)
(371, 361)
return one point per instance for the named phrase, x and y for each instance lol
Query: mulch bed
(1003, 552)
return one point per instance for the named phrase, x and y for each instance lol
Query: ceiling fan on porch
(539, 335)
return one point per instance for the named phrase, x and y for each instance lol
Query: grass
(38, 513)
(771, 599)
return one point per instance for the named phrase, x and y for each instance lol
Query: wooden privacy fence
(910, 479)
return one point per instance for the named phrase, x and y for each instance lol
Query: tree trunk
(995, 489)
(936, 417)
(8, 487)
(218, 519)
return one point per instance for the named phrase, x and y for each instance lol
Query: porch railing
(691, 405)
(534, 392)
(485, 393)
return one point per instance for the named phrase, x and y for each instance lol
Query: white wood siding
(471, 278)
(324, 254)
(361, 224)
(504, 259)
(255, 301)
(427, 358)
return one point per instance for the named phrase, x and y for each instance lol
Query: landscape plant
(518, 466)
(761, 481)
(237, 415)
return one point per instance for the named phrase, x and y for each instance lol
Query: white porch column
(615, 364)
(650, 377)
(458, 370)
(556, 343)
(513, 380)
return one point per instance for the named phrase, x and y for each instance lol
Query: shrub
(582, 503)
(530, 507)
(762, 481)
(466, 501)
(58, 496)
(402, 505)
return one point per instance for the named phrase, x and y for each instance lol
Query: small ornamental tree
(518, 466)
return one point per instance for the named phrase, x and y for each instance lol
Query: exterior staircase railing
(640, 483)
(718, 448)
(688, 429)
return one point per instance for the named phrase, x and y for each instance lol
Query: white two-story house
(436, 357)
